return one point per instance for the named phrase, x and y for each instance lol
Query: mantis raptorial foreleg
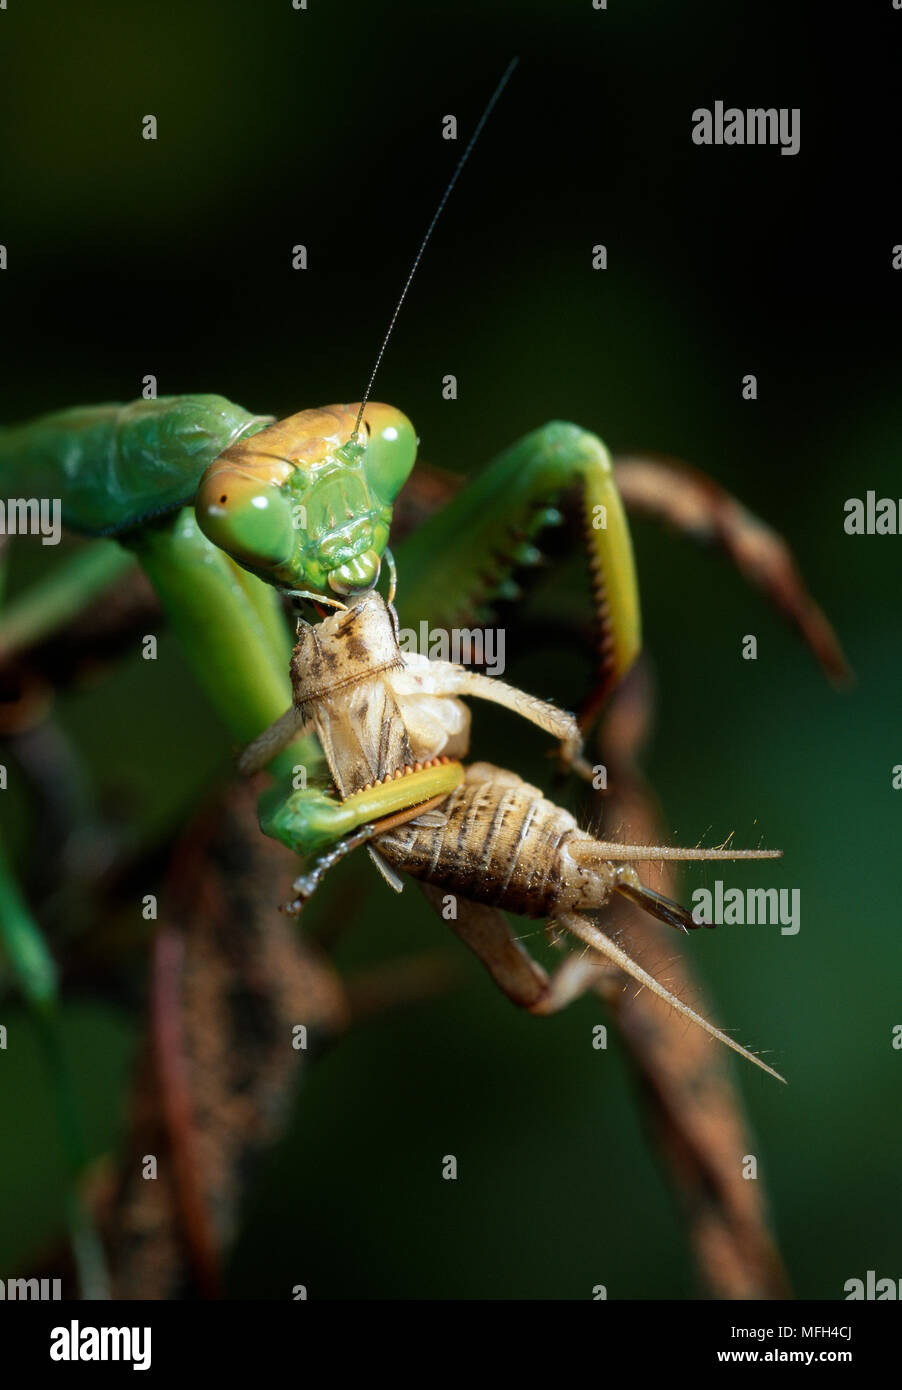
(309, 821)
(463, 557)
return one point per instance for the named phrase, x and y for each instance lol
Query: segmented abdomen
(502, 843)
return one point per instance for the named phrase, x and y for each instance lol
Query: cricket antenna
(429, 230)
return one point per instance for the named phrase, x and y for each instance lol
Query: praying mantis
(304, 507)
(228, 511)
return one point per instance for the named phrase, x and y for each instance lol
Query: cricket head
(345, 648)
(305, 503)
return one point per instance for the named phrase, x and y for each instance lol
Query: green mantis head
(305, 506)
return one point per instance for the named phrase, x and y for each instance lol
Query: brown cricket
(494, 843)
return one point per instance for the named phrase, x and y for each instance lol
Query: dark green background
(323, 127)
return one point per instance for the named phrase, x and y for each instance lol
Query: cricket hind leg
(580, 927)
(486, 931)
(525, 982)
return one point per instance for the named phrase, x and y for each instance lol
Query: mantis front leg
(309, 820)
(462, 558)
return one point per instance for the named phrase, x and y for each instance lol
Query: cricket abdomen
(503, 844)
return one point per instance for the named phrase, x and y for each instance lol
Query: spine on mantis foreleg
(115, 466)
(464, 557)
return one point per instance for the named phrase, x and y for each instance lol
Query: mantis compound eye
(391, 449)
(357, 575)
(248, 518)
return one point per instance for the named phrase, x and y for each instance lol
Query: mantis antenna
(429, 230)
